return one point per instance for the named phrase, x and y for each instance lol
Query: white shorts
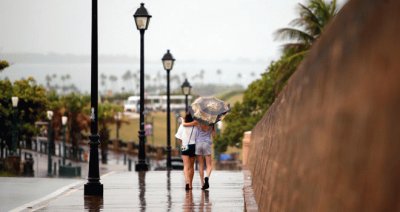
(203, 148)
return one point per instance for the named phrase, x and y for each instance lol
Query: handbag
(186, 147)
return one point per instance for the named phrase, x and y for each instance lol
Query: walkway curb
(36, 203)
(40, 203)
(250, 203)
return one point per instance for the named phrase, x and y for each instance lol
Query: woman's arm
(213, 133)
(189, 124)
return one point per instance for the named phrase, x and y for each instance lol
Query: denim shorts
(190, 151)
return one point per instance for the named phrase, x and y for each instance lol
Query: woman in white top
(204, 137)
(187, 136)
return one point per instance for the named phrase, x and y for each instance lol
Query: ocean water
(231, 73)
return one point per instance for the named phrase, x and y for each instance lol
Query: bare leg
(200, 159)
(191, 170)
(209, 165)
(186, 165)
(208, 172)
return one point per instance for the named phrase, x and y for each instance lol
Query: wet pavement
(152, 191)
(16, 191)
(20, 191)
(115, 163)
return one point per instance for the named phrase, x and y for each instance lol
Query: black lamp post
(186, 88)
(168, 63)
(142, 19)
(49, 139)
(118, 123)
(14, 101)
(93, 187)
(64, 120)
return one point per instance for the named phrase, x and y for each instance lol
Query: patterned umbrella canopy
(208, 110)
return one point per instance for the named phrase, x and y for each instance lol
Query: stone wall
(331, 140)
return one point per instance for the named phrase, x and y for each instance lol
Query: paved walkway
(16, 191)
(151, 191)
(115, 163)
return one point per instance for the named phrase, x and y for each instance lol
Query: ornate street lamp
(168, 63)
(142, 19)
(14, 101)
(49, 142)
(64, 120)
(93, 187)
(186, 89)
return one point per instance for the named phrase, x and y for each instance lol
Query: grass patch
(235, 98)
(231, 97)
(6, 174)
(129, 131)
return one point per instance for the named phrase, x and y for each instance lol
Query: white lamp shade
(14, 100)
(64, 120)
(168, 64)
(141, 22)
(49, 114)
(186, 90)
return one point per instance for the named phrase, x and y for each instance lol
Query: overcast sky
(192, 29)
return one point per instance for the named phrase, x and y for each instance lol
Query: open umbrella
(208, 110)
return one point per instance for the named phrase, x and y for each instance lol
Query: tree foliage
(3, 64)
(73, 106)
(106, 115)
(32, 105)
(304, 32)
(261, 93)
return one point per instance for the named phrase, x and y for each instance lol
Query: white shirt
(183, 134)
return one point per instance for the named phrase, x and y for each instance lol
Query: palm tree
(219, 72)
(113, 80)
(106, 113)
(201, 75)
(306, 30)
(239, 76)
(135, 77)
(48, 80)
(103, 78)
(126, 77)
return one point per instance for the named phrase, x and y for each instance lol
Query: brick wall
(331, 140)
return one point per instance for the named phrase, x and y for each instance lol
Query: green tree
(32, 105)
(106, 114)
(261, 93)
(243, 116)
(3, 64)
(76, 108)
(126, 77)
(5, 110)
(305, 30)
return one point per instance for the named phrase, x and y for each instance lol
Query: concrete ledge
(250, 203)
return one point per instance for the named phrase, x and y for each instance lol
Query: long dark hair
(188, 117)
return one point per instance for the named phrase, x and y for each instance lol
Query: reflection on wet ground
(93, 203)
(203, 205)
(142, 190)
(158, 191)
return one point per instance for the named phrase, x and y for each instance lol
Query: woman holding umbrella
(206, 111)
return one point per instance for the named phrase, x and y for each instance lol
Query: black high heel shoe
(206, 185)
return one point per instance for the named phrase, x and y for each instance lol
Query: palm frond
(311, 20)
(293, 34)
(291, 48)
(287, 67)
